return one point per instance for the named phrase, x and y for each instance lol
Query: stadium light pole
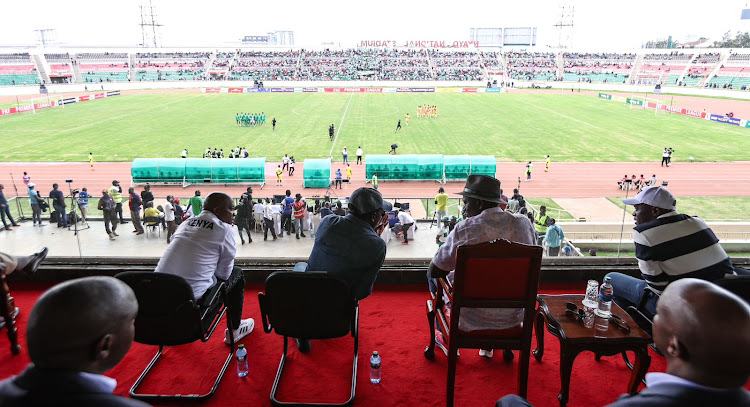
(622, 224)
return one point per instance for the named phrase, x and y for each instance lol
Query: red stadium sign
(212, 90)
(235, 90)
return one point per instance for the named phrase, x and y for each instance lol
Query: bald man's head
(85, 324)
(221, 205)
(704, 332)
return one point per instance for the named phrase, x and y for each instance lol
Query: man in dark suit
(704, 332)
(77, 330)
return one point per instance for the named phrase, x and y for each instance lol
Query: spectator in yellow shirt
(441, 200)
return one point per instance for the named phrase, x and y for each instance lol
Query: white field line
(330, 153)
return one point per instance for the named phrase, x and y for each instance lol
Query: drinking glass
(592, 294)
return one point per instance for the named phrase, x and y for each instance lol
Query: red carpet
(393, 322)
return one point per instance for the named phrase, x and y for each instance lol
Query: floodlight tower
(46, 36)
(148, 25)
(565, 23)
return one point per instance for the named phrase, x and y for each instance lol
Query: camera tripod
(73, 205)
(328, 193)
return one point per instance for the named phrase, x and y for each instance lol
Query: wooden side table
(575, 338)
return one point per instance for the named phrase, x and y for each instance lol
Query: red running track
(565, 179)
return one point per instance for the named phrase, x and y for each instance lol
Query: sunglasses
(579, 314)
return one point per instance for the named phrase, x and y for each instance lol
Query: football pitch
(512, 127)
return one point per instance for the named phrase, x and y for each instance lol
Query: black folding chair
(169, 316)
(311, 305)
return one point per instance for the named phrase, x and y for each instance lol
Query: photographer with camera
(83, 203)
(37, 205)
(58, 202)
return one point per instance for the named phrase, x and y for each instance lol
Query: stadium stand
(103, 67)
(657, 67)
(597, 67)
(17, 69)
(171, 66)
(60, 66)
(493, 63)
(734, 73)
(532, 66)
(717, 69)
(265, 65)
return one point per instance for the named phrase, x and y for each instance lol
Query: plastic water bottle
(375, 368)
(605, 299)
(242, 367)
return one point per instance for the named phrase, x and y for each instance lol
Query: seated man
(405, 222)
(151, 212)
(350, 246)
(77, 330)
(483, 222)
(668, 246)
(202, 252)
(29, 264)
(705, 365)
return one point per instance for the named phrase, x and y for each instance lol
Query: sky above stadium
(599, 24)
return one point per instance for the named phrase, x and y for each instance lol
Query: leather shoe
(34, 263)
(303, 345)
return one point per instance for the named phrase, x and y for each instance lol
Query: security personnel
(540, 223)
(116, 192)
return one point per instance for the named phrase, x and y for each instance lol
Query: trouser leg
(629, 290)
(170, 230)
(109, 218)
(36, 214)
(135, 216)
(554, 251)
(84, 212)
(118, 209)
(268, 224)
(236, 294)
(406, 231)
(2, 215)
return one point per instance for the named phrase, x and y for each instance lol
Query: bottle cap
(241, 346)
(374, 353)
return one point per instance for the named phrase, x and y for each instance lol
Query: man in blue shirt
(83, 203)
(350, 246)
(554, 237)
(337, 184)
(36, 205)
(286, 213)
(135, 203)
(58, 202)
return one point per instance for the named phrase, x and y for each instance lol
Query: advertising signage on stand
(634, 102)
(734, 121)
(605, 96)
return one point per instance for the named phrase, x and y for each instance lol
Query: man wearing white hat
(669, 246)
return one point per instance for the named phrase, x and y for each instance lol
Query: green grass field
(512, 127)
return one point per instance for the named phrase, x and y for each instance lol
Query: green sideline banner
(634, 102)
(605, 96)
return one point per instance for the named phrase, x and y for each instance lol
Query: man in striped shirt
(669, 246)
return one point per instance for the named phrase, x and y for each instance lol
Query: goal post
(46, 101)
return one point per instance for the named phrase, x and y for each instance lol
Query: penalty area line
(336, 137)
